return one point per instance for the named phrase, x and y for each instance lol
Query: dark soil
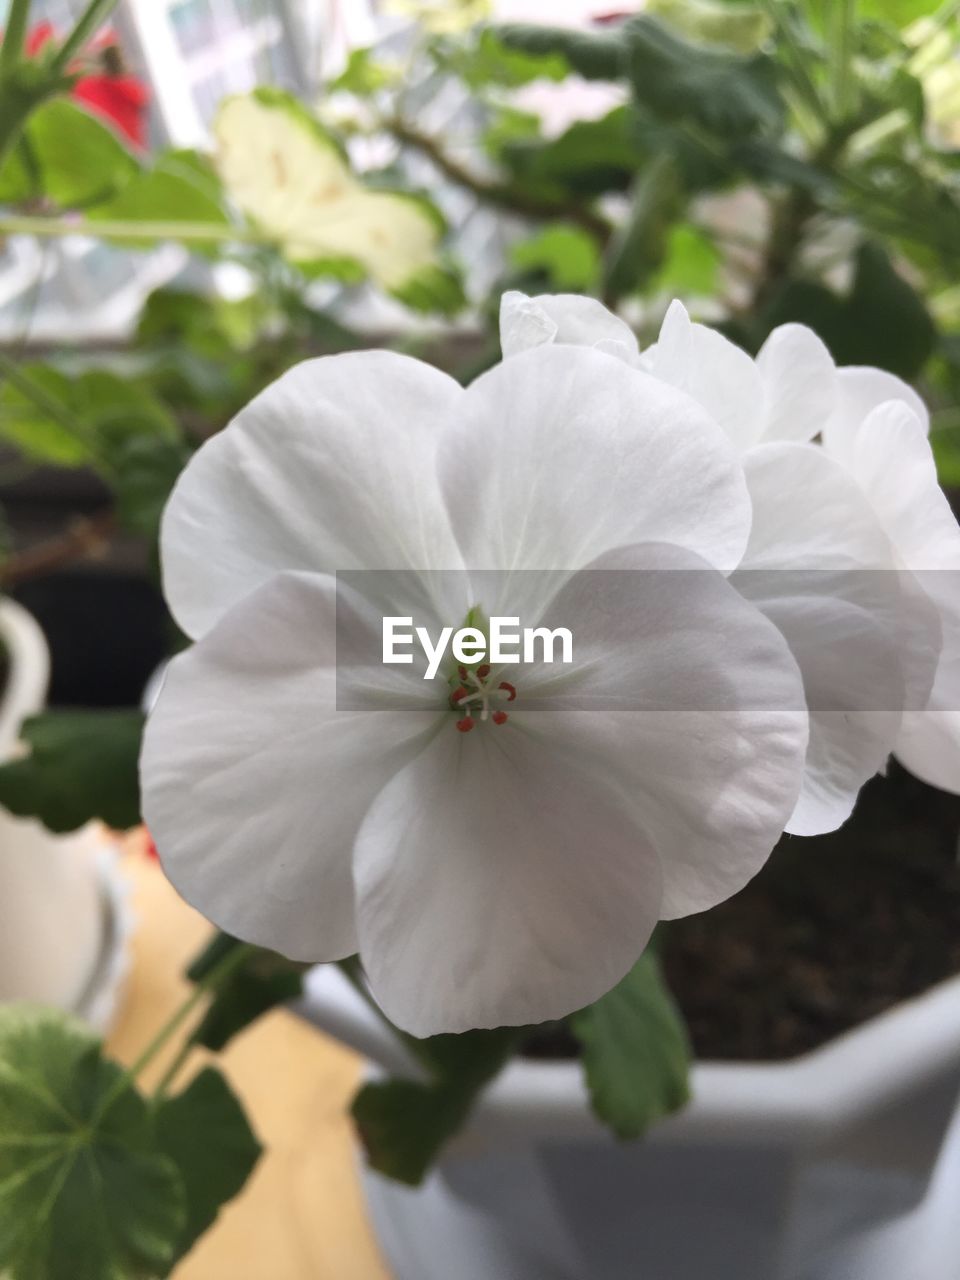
(833, 931)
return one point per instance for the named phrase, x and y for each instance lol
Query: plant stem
(843, 83)
(214, 979)
(204, 232)
(13, 37)
(502, 194)
(95, 14)
(84, 537)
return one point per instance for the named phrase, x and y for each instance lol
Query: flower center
(476, 698)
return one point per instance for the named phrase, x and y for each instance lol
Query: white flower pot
(814, 1169)
(60, 943)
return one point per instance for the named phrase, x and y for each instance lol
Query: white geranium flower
(509, 869)
(293, 181)
(867, 644)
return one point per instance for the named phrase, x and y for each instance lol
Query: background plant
(773, 161)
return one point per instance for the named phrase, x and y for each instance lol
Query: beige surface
(301, 1215)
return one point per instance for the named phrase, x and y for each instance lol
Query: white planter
(806, 1170)
(59, 906)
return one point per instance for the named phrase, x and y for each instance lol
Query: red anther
(466, 724)
(458, 695)
(483, 671)
(462, 672)
(508, 689)
(500, 717)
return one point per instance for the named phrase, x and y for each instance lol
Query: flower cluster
(741, 667)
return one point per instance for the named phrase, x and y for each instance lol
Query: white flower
(292, 179)
(823, 519)
(512, 873)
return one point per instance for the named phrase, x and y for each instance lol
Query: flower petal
(859, 391)
(866, 640)
(799, 382)
(332, 467)
(891, 459)
(711, 369)
(564, 317)
(854, 688)
(684, 696)
(562, 453)
(497, 885)
(254, 784)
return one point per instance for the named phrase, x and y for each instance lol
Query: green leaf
(433, 289)
(83, 1193)
(81, 765)
(883, 321)
(593, 55)
(636, 1055)
(31, 421)
(77, 420)
(728, 95)
(589, 158)
(404, 1124)
(206, 1135)
(264, 981)
(640, 246)
(175, 190)
(742, 27)
(19, 175)
(487, 59)
(946, 451)
(565, 255)
(691, 263)
(80, 160)
(364, 75)
(144, 470)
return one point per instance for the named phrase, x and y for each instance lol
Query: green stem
(504, 195)
(843, 83)
(214, 979)
(95, 14)
(18, 21)
(148, 232)
(171, 1073)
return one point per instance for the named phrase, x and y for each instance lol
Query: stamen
(508, 689)
(500, 717)
(458, 695)
(483, 671)
(466, 724)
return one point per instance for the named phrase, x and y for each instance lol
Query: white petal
(929, 746)
(254, 784)
(891, 459)
(685, 696)
(562, 453)
(497, 885)
(860, 390)
(332, 467)
(711, 369)
(564, 317)
(866, 641)
(929, 742)
(854, 688)
(809, 513)
(799, 383)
